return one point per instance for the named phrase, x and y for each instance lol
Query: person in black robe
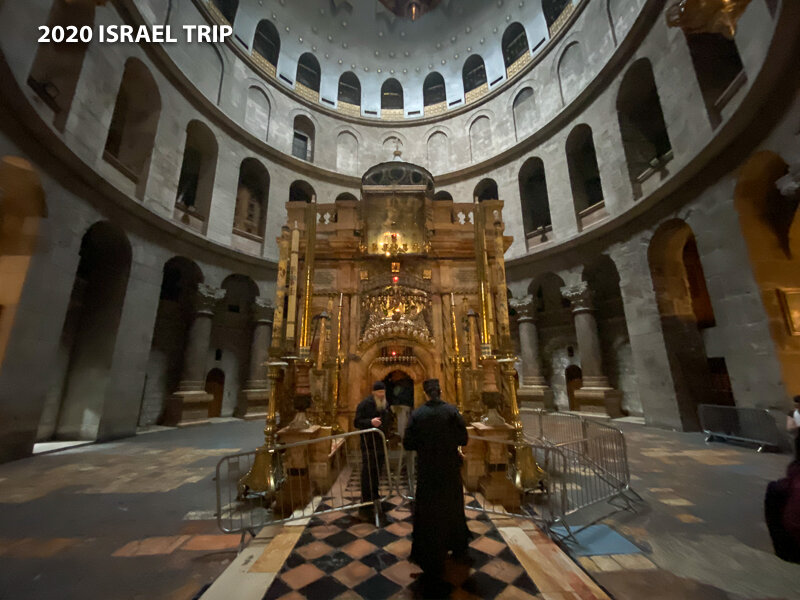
(436, 430)
(373, 412)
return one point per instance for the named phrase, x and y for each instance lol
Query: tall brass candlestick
(276, 345)
(337, 367)
(291, 313)
(457, 358)
(487, 312)
(503, 324)
(311, 241)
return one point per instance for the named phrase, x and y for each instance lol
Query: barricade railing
(749, 425)
(312, 476)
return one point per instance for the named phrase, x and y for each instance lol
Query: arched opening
(257, 112)
(75, 406)
(574, 379)
(349, 89)
(584, 175)
(57, 66)
(486, 190)
(612, 328)
(524, 110)
(267, 42)
(215, 385)
(443, 195)
(179, 282)
(771, 230)
(641, 123)
(391, 95)
(21, 211)
(535, 202)
(347, 153)
(252, 197)
(346, 197)
(303, 139)
(196, 181)
(438, 152)
(132, 132)
(308, 72)
(301, 191)
(514, 44)
(231, 343)
(400, 396)
(473, 74)
(552, 10)
(718, 68)
(227, 9)
(433, 89)
(391, 146)
(480, 138)
(685, 308)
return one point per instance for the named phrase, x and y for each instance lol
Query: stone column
(191, 401)
(596, 391)
(255, 394)
(533, 389)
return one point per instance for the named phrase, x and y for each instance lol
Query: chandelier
(410, 9)
(707, 16)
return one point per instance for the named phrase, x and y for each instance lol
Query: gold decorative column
(487, 310)
(291, 310)
(456, 356)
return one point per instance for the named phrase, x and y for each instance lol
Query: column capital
(580, 296)
(525, 308)
(207, 297)
(262, 309)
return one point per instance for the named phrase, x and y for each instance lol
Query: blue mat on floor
(598, 539)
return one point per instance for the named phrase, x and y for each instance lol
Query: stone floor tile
(401, 548)
(478, 527)
(402, 572)
(212, 542)
(151, 546)
(676, 501)
(361, 529)
(359, 548)
(514, 593)
(500, 569)
(301, 576)
(354, 573)
(487, 545)
(401, 528)
(313, 550)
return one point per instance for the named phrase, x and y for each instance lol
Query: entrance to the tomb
(574, 376)
(215, 385)
(399, 389)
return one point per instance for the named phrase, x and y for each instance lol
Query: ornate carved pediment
(396, 312)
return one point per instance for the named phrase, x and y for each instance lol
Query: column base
(187, 408)
(599, 399)
(536, 396)
(253, 404)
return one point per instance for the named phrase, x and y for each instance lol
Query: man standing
(436, 430)
(372, 412)
(793, 425)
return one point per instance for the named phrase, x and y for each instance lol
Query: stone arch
(21, 211)
(645, 139)
(535, 199)
(308, 72)
(552, 10)
(514, 43)
(196, 179)
(267, 42)
(392, 95)
(132, 132)
(524, 112)
(252, 202)
(392, 143)
(571, 65)
(302, 191)
(584, 173)
(228, 9)
(304, 138)
(433, 89)
(174, 316)
(473, 73)
(347, 153)
(257, 113)
(209, 78)
(57, 66)
(480, 138)
(771, 230)
(89, 334)
(685, 308)
(438, 147)
(349, 88)
(486, 189)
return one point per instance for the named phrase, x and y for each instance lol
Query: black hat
(378, 385)
(431, 386)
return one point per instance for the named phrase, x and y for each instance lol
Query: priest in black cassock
(436, 430)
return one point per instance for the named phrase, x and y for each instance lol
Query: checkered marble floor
(338, 556)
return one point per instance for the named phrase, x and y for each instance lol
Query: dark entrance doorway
(399, 389)
(574, 377)
(215, 385)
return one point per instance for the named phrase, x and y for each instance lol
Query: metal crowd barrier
(750, 425)
(314, 476)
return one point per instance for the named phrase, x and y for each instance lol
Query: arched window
(256, 117)
(303, 140)
(227, 8)
(252, 197)
(718, 68)
(308, 71)
(438, 152)
(443, 195)
(196, 181)
(480, 138)
(301, 191)
(135, 120)
(533, 196)
(524, 110)
(267, 42)
(433, 90)
(571, 72)
(641, 122)
(473, 73)
(346, 153)
(391, 95)
(349, 88)
(57, 66)
(552, 9)
(584, 174)
(486, 190)
(515, 44)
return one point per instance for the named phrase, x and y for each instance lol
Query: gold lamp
(707, 16)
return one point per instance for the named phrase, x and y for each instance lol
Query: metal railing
(314, 476)
(749, 425)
